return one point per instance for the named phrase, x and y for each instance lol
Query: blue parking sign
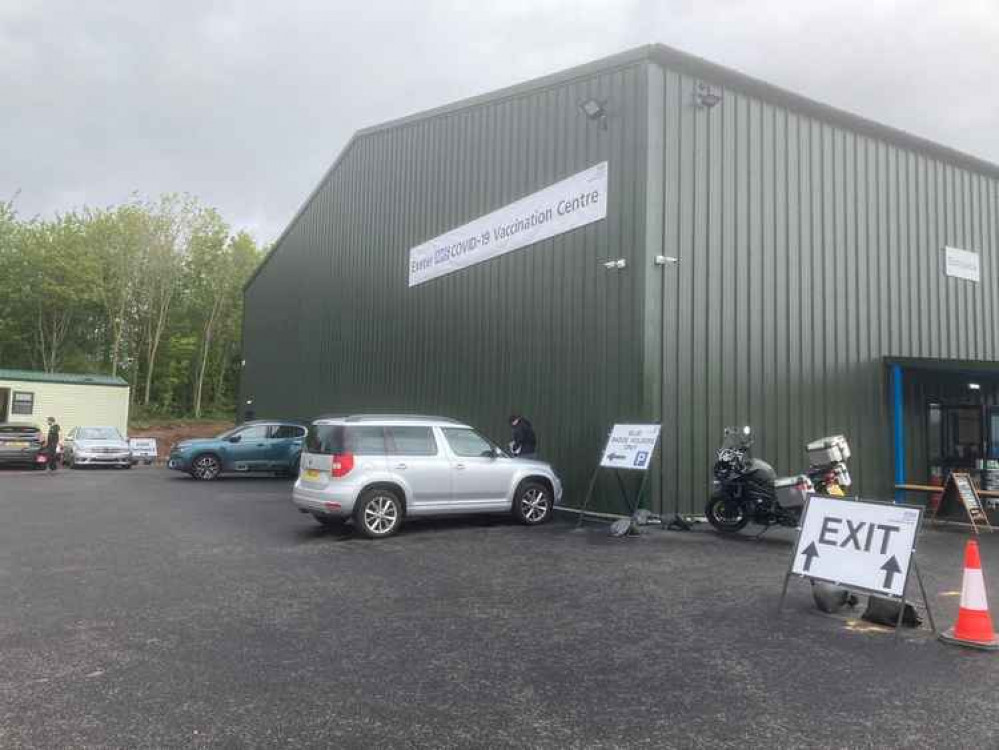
(641, 458)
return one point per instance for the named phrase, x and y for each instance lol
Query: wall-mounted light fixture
(662, 260)
(595, 111)
(975, 386)
(613, 265)
(705, 95)
(249, 402)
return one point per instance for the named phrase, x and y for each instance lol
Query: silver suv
(378, 470)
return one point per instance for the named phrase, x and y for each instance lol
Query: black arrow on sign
(890, 568)
(809, 552)
(614, 457)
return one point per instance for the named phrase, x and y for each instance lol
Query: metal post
(898, 429)
(783, 593)
(922, 590)
(586, 500)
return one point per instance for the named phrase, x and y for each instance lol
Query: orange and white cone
(974, 623)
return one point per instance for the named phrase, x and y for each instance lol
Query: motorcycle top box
(828, 450)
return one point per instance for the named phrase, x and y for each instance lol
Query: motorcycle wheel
(726, 515)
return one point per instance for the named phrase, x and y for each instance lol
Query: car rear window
(324, 439)
(327, 439)
(19, 430)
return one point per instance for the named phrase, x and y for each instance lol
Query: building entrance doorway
(964, 438)
(945, 419)
(4, 404)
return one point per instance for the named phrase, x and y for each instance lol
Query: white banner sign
(630, 446)
(962, 264)
(572, 203)
(857, 543)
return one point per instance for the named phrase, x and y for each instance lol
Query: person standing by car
(525, 442)
(52, 444)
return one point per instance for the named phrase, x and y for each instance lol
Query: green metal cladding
(810, 246)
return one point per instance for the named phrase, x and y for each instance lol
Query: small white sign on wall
(962, 264)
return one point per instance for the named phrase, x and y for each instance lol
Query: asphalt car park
(145, 609)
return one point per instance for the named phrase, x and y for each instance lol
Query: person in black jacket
(525, 442)
(52, 444)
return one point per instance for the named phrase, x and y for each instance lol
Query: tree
(210, 277)
(57, 282)
(122, 288)
(14, 343)
(119, 240)
(171, 226)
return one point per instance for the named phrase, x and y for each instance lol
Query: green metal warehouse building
(649, 237)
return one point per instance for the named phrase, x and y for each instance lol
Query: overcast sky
(245, 104)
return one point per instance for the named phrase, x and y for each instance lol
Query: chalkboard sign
(961, 502)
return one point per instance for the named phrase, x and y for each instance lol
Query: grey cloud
(245, 104)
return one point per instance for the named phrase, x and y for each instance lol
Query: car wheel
(128, 466)
(533, 503)
(378, 513)
(206, 467)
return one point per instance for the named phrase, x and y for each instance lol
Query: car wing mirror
(235, 439)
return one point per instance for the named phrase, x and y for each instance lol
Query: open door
(4, 404)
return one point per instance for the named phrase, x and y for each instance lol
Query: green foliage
(148, 290)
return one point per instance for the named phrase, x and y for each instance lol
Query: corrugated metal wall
(331, 325)
(808, 253)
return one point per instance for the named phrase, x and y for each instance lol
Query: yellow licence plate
(17, 445)
(311, 474)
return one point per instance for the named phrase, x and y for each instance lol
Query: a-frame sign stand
(628, 447)
(960, 502)
(861, 545)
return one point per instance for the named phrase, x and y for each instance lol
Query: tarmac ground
(143, 609)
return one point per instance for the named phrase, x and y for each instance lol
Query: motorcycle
(748, 489)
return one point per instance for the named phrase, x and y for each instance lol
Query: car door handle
(261, 445)
(460, 467)
(401, 466)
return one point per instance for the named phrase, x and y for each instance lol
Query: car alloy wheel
(381, 514)
(534, 506)
(206, 467)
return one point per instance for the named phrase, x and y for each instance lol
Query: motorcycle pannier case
(828, 450)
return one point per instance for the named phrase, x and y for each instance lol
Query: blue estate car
(261, 445)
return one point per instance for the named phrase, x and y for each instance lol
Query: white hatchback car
(377, 470)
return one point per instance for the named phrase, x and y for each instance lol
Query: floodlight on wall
(975, 386)
(705, 96)
(614, 265)
(249, 402)
(595, 111)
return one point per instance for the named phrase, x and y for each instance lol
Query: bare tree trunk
(153, 345)
(50, 341)
(206, 341)
(220, 376)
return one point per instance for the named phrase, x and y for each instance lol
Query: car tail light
(341, 464)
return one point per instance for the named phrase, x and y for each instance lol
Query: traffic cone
(974, 623)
